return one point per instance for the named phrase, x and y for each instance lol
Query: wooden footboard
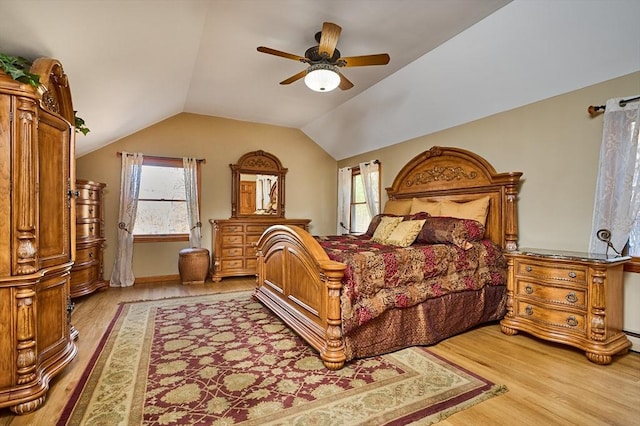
(301, 285)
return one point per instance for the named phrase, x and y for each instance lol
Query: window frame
(355, 171)
(151, 160)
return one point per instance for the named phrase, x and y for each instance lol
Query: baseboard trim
(635, 340)
(158, 279)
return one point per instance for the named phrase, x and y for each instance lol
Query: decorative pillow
(405, 233)
(385, 228)
(474, 210)
(399, 207)
(449, 230)
(373, 225)
(425, 205)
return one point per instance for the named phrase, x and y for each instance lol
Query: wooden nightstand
(567, 297)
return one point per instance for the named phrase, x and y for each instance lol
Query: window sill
(633, 265)
(160, 238)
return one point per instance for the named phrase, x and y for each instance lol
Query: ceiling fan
(324, 61)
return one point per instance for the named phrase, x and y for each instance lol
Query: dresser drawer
(88, 193)
(86, 230)
(89, 211)
(231, 252)
(551, 272)
(88, 254)
(228, 240)
(250, 251)
(257, 228)
(554, 294)
(84, 275)
(231, 229)
(252, 239)
(553, 317)
(230, 264)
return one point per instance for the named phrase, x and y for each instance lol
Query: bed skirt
(427, 323)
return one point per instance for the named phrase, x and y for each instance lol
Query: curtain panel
(617, 197)
(190, 166)
(122, 274)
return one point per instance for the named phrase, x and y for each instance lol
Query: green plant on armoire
(18, 67)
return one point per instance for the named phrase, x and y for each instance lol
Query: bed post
(511, 225)
(332, 354)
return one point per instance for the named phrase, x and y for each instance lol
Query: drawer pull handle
(572, 274)
(528, 289)
(91, 229)
(571, 297)
(529, 310)
(529, 268)
(90, 255)
(572, 321)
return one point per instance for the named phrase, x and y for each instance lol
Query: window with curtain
(359, 185)
(617, 200)
(163, 208)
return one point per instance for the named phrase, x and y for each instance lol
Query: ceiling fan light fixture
(322, 77)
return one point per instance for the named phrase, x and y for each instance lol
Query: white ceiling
(133, 63)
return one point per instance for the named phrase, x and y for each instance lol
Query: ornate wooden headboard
(459, 175)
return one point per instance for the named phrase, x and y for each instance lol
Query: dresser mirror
(257, 186)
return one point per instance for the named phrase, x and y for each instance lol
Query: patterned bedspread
(380, 277)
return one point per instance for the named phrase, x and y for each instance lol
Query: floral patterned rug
(224, 359)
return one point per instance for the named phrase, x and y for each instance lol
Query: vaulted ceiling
(132, 63)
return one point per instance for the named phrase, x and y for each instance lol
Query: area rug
(225, 359)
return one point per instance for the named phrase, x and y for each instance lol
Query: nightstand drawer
(551, 272)
(551, 316)
(554, 294)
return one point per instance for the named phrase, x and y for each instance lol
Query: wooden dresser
(37, 214)
(234, 252)
(567, 297)
(87, 273)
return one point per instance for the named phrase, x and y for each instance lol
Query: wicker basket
(193, 265)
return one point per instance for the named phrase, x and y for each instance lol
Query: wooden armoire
(37, 234)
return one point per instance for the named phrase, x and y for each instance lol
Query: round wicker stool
(193, 265)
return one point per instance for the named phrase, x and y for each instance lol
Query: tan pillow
(423, 205)
(399, 207)
(405, 233)
(386, 227)
(475, 210)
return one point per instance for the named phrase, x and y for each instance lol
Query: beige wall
(556, 145)
(310, 180)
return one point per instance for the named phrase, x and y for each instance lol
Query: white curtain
(122, 274)
(370, 173)
(344, 200)
(190, 166)
(617, 199)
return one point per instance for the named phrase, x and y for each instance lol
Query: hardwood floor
(548, 384)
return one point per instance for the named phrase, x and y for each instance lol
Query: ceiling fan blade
(361, 61)
(282, 54)
(329, 38)
(294, 77)
(345, 84)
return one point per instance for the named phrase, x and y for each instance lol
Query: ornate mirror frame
(257, 163)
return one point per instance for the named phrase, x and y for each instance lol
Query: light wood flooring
(548, 384)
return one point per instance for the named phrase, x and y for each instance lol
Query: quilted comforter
(381, 277)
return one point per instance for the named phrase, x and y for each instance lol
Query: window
(359, 212)
(360, 217)
(162, 205)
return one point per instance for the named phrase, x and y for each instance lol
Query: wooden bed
(300, 283)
